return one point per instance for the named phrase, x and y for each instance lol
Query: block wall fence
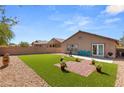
(28, 50)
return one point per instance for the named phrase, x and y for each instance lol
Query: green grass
(43, 65)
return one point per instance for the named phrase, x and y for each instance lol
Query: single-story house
(55, 42)
(40, 43)
(84, 43)
(12, 44)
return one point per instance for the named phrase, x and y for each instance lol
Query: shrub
(23, 44)
(61, 59)
(99, 68)
(77, 60)
(93, 62)
(63, 66)
(110, 53)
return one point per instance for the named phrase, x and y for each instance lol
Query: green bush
(77, 60)
(23, 44)
(63, 66)
(93, 62)
(99, 68)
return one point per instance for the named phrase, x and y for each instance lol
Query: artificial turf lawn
(43, 65)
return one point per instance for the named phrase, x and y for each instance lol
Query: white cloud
(69, 22)
(112, 20)
(57, 17)
(114, 9)
(77, 22)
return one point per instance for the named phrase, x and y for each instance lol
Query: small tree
(6, 23)
(23, 44)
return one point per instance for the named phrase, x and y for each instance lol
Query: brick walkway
(120, 73)
(17, 74)
(82, 68)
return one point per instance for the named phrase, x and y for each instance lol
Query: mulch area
(83, 68)
(18, 74)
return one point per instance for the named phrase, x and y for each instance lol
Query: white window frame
(98, 50)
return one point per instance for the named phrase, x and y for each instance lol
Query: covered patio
(120, 52)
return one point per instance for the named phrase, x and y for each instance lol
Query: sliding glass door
(98, 50)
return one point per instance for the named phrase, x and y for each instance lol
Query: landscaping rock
(120, 73)
(18, 74)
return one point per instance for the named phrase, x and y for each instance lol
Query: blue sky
(45, 22)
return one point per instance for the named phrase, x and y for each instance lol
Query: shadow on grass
(104, 73)
(2, 67)
(65, 71)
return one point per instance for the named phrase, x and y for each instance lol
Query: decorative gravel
(120, 73)
(83, 68)
(18, 74)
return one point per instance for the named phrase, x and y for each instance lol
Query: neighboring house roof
(93, 35)
(12, 44)
(121, 43)
(59, 39)
(40, 42)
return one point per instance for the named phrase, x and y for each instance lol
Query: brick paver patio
(17, 74)
(83, 68)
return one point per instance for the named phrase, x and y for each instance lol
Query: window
(98, 49)
(72, 47)
(94, 50)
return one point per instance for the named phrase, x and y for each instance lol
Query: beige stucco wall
(85, 41)
(28, 50)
